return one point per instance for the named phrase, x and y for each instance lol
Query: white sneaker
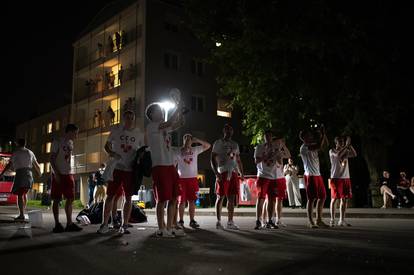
(343, 223)
(103, 229)
(279, 223)
(331, 223)
(164, 234)
(178, 232)
(219, 226)
(232, 225)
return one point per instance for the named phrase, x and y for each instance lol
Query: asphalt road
(370, 246)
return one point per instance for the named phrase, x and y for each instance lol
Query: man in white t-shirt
(22, 161)
(164, 174)
(225, 162)
(186, 158)
(63, 182)
(122, 144)
(340, 179)
(315, 188)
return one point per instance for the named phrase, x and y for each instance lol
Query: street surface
(370, 246)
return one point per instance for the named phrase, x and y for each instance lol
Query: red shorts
(266, 187)
(21, 191)
(165, 179)
(341, 189)
(65, 187)
(122, 180)
(227, 187)
(315, 189)
(188, 189)
(281, 188)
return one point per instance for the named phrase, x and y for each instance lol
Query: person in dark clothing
(91, 185)
(402, 190)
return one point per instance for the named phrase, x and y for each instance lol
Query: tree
(291, 64)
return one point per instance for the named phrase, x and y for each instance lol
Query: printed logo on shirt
(125, 140)
(187, 156)
(67, 152)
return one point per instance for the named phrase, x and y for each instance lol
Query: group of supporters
(174, 174)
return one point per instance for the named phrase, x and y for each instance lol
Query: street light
(166, 106)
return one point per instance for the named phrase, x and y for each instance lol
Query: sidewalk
(6, 212)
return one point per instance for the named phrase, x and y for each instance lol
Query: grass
(77, 204)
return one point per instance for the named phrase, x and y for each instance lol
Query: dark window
(197, 103)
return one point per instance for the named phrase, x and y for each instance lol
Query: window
(197, 103)
(47, 168)
(115, 106)
(42, 167)
(57, 125)
(170, 26)
(171, 61)
(48, 147)
(197, 67)
(49, 127)
(223, 108)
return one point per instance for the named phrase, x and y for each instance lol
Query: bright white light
(218, 44)
(166, 106)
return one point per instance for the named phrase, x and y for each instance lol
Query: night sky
(37, 49)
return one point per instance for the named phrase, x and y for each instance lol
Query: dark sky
(37, 56)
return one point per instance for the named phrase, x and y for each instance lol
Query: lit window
(49, 127)
(115, 106)
(42, 167)
(115, 71)
(41, 187)
(48, 147)
(57, 125)
(47, 168)
(93, 157)
(223, 108)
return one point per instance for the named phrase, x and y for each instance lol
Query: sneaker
(72, 228)
(123, 230)
(219, 225)
(164, 234)
(232, 225)
(180, 224)
(332, 223)
(258, 225)
(343, 223)
(194, 224)
(19, 219)
(178, 232)
(271, 225)
(321, 224)
(312, 225)
(103, 229)
(58, 228)
(279, 223)
(115, 225)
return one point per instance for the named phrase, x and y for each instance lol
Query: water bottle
(197, 202)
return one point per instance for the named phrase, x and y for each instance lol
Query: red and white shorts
(165, 180)
(65, 187)
(188, 189)
(341, 189)
(228, 187)
(266, 187)
(122, 180)
(281, 188)
(315, 189)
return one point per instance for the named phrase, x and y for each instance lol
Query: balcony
(115, 44)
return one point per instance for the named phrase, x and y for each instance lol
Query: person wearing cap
(122, 145)
(225, 162)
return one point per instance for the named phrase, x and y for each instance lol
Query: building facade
(134, 53)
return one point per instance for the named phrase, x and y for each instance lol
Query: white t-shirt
(63, 149)
(226, 155)
(267, 168)
(187, 161)
(279, 171)
(22, 158)
(339, 169)
(310, 160)
(159, 141)
(125, 142)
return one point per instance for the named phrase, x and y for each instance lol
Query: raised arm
(203, 143)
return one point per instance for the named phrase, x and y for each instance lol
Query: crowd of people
(174, 173)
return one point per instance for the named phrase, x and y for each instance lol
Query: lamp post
(166, 106)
